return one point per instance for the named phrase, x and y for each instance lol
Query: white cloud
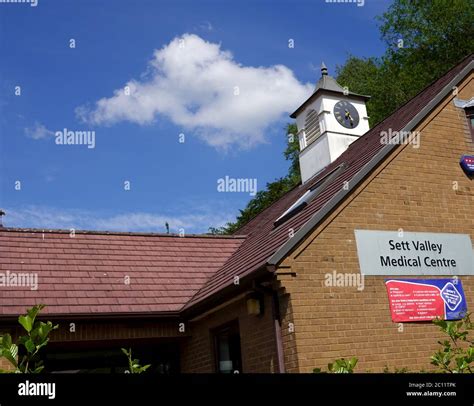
(206, 26)
(32, 216)
(38, 131)
(193, 83)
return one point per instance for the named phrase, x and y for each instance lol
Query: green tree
(424, 39)
(370, 76)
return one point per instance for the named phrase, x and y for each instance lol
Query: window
(309, 195)
(227, 348)
(296, 207)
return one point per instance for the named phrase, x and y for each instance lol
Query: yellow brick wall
(412, 190)
(258, 346)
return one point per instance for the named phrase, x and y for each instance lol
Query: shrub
(457, 353)
(340, 366)
(36, 338)
(134, 366)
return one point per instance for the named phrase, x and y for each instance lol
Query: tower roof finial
(324, 69)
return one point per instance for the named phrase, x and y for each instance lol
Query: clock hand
(348, 116)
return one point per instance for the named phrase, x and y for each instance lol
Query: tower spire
(324, 69)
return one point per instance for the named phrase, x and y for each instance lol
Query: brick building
(260, 301)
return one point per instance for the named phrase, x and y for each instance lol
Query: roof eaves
(193, 307)
(283, 251)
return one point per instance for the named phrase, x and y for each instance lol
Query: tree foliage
(424, 39)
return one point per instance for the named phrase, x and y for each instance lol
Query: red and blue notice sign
(426, 299)
(467, 163)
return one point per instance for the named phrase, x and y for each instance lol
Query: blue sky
(219, 72)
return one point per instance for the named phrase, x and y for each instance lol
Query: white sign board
(407, 253)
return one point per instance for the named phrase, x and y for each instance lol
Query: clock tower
(328, 122)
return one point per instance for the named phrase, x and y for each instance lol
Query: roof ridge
(122, 233)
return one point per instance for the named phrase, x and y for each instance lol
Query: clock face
(346, 114)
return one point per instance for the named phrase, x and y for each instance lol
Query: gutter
(162, 316)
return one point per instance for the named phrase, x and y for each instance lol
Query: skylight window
(294, 208)
(309, 195)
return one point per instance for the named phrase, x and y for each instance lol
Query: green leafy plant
(134, 366)
(27, 361)
(457, 352)
(340, 366)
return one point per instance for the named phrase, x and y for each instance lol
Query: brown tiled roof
(86, 274)
(263, 239)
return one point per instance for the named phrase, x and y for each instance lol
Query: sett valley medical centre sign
(386, 253)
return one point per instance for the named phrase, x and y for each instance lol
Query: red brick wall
(256, 335)
(407, 192)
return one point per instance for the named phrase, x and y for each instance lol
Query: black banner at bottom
(64, 389)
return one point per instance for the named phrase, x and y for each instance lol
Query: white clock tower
(330, 120)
